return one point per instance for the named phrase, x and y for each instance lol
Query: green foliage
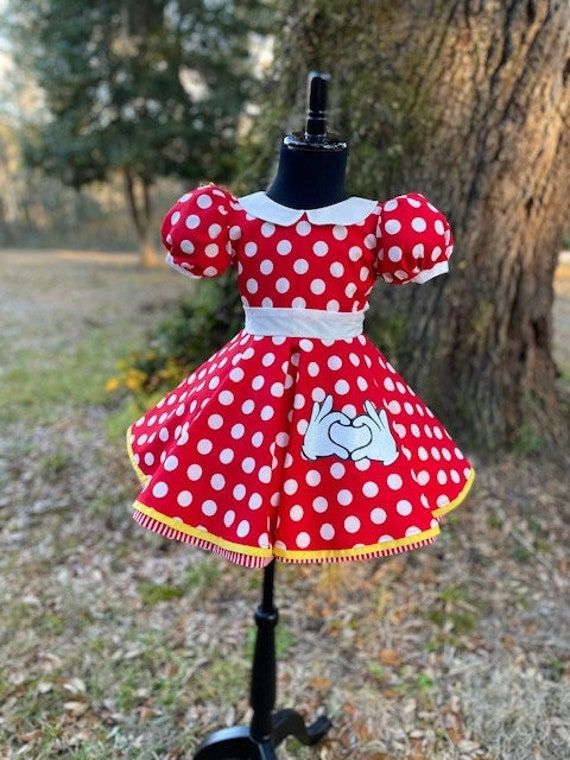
(197, 327)
(152, 86)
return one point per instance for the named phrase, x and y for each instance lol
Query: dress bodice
(326, 259)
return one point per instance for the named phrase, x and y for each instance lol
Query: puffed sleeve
(195, 232)
(415, 240)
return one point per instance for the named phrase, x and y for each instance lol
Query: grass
(117, 644)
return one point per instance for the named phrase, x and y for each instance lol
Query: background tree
(146, 88)
(469, 103)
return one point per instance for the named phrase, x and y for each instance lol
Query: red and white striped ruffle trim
(247, 560)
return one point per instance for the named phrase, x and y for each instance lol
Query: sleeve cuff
(427, 274)
(171, 263)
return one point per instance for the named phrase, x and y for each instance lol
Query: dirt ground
(115, 643)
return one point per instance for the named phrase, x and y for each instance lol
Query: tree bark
(141, 214)
(468, 103)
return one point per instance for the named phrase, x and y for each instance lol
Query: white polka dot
(340, 232)
(267, 229)
(334, 362)
(175, 217)
(320, 504)
(248, 464)
(403, 507)
(192, 221)
(209, 507)
(252, 285)
(170, 463)
(313, 369)
(235, 232)
(296, 513)
(370, 488)
(239, 491)
(317, 286)
(341, 387)
(389, 384)
(217, 481)
(204, 201)
(265, 474)
(394, 253)
(255, 501)
(184, 498)
(326, 531)
(378, 516)
(351, 524)
(290, 486)
(237, 374)
(284, 247)
(282, 285)
(419, 224)
(439, 227)
(423, 477)
(250, 249)
(149, 458)
(194, 472)
(442, 477)
(303, 228)
(391, 205)
(301, 266)
(354, 253)
(160, 489)
(344, 497)
(243, 528)
(336, 269)
(215, 421)
(320, 248)
(226, 456)
(392, 226)
(412, 530)
(266, 266)
(394, 482)
(338, 470)
(313, 478)
(303, 540)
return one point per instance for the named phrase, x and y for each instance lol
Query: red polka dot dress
(298, 440)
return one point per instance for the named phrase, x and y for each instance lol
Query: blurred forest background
(109, 110)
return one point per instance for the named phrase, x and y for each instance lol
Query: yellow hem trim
(140, 474)
(457, 501)
(255, 552)
(203, 534)
(358, 550)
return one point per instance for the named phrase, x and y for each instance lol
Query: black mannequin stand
(310, 174)
(267, 728)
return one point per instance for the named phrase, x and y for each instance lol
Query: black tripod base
(237, 743)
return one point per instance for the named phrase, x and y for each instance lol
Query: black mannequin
(310, 175)
(312, 165)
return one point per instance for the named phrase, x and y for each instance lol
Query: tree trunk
(468, 103)
(141, 214)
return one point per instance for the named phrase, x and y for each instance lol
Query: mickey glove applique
(331, 433)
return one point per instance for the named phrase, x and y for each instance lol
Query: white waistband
(303, 323)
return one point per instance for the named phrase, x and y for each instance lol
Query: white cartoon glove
(317, 441)
(382, 446)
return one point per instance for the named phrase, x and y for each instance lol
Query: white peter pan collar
(350, 211)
